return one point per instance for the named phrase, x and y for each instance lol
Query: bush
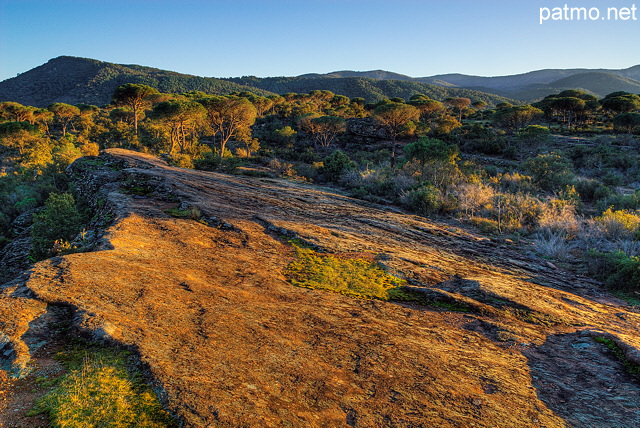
(102, 393)
(335, 164)
(60, 220)
(619, 271)
(181, 160)
(424, 200)
(619, 224)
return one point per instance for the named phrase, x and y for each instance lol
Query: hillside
(500, 338)
(370, 89)
(81, 80)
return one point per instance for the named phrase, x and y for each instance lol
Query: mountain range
(81, 80)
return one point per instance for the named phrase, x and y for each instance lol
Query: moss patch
(352, 277)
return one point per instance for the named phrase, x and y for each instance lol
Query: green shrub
(181, 160)
(424, 200)
(59, 221)
(352, 277)
(335, 164)
(618, 271)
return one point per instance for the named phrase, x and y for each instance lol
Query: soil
(230, 342)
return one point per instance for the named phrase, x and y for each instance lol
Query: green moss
(632, 368)
(352, 277)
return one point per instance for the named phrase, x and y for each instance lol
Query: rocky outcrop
(205, 303)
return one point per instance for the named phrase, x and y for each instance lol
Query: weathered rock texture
(209, 311)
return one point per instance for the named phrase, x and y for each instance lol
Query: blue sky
(222, 38)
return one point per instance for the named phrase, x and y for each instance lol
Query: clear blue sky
(221, 38)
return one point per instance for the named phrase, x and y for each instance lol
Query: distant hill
(368, 88)
(538, 84)
(524, 87)
(80, 80)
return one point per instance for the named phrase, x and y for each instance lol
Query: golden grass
(103, 393)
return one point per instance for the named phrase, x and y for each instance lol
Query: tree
(335, 164)
(393, 116)
(64, 114)
(182, 117)
(228, 115)
(568, 107)
(458, 104)
(323, 129)
(512, 118)
(550, 171)
(629, 122)
(60, 220)
(136, 97)
(16, 112)
(429, 109)
(532, 136)
(431, 149)
(621, 103)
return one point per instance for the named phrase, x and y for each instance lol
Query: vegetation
(100, 390)
(631, 367)
(563, 171)
(58, 223)
(352, 277)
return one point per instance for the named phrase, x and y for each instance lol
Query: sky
(219, 38)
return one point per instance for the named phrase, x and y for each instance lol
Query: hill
(80, 80)
(370, 89)
(525, 87)
(495, 337)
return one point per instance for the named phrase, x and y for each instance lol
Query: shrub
(181, 160)
(486, 225)
(619, 271)
(550, 171)
(424, 200)
(560, 217)
(60, 220)
(619, 224)
(552, 244)
(352, 277)
(335, 164)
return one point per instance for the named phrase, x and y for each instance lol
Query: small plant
(632, 368)
(192, 213)
(352, 277)
(552, 244)
(99, 391)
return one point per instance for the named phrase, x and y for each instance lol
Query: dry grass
(103, 393)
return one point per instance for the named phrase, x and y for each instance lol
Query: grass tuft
(352, 277)
(101, 392)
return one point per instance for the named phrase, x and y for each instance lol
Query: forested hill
(370, 89)
(81, 80)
